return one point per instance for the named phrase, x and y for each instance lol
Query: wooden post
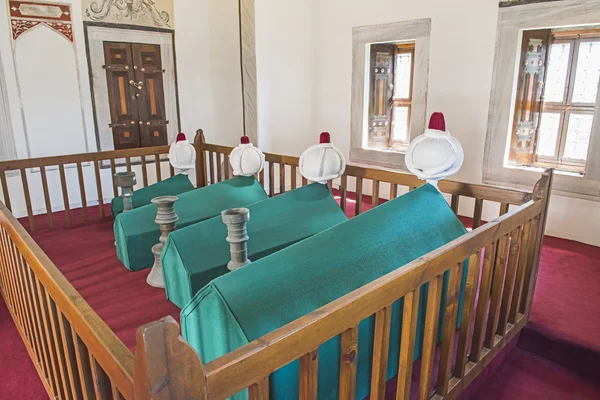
(162, 358)
(541, 192)
(199, 141)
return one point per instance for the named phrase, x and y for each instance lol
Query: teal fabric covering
(246, 304)
(195, 255)
(172, 186)
(136, 232)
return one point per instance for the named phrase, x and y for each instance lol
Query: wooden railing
(99, 161)
(78, 356)
(503, 260)
(75, 353)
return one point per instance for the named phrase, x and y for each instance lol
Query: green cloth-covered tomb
(246, 304)
(171, 186)
(195, 255)
(136, 232)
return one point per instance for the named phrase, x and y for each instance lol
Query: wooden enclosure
(78, 356)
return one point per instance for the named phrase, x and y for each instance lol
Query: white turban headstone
(435, 154)
(182, 155)
(323, 161)
(245, 159)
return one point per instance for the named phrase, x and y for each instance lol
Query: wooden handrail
(111, 354)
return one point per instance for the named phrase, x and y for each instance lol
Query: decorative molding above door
(154, 13)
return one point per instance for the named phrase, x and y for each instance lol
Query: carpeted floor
(563, 312)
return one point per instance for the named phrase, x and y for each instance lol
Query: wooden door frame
(98, 86)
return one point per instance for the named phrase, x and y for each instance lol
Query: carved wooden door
(136, 94)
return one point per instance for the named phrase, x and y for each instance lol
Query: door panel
(121, 95)
(151, 101)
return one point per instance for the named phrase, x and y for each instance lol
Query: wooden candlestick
(166, 217)
(237, 236)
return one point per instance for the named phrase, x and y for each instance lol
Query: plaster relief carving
(156, 13)
(25, 15)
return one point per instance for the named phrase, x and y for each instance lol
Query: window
(390, 68)
(556, 97)
(390, 95)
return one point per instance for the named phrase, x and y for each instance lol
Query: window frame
(511, 24)
(418, 31)
(567, 107)
(403, 48)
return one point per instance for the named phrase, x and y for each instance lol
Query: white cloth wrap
(246, 160)
(322, 162)
(434, 155)
(182, 155)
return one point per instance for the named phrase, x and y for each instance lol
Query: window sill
(393, 159)
(567, 184)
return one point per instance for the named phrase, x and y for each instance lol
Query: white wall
(48, 89)
(318, 82)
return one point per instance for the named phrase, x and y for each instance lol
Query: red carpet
(564, 314)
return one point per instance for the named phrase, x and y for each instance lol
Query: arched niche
(49, 87)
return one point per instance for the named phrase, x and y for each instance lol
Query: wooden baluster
(309, 375)
(4, 186)
(261, 177)
(344, 192)
(527, 296)
(99, 188)
(219, 168)
(71, 359)
(467, 314)
(29, 310)
(259, 390)
(157, 166)
(43, 344)
(20, 274)
(102, 385)
(144, 171)
(227, 166)
(393, 191)
(49, 339)
(281, 178)
(358, 204)
(496, 297)
(27, 199)
(83, 367)
(429, 337)
(171, 170)
(17, 306)
(410, 317)
(113, 171)
(128, 163)
(330, 185)
(58, 344)
(482, 303)
(47, 196)
(381, 345)
(271, 179)
(348, 361)
(477, 213)
(504, 208)
(522, 267)
(211, 168)
(444, 372)
(454, 203)
(82, 192)
(304, 181)
(293, 177)
(509, 282)
(65, 192)
(375, 194)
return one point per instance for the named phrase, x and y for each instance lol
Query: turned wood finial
(166, 217)
(199, 140)
(236, 220)
(126, 181)
(161, 359)
(544, 185)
